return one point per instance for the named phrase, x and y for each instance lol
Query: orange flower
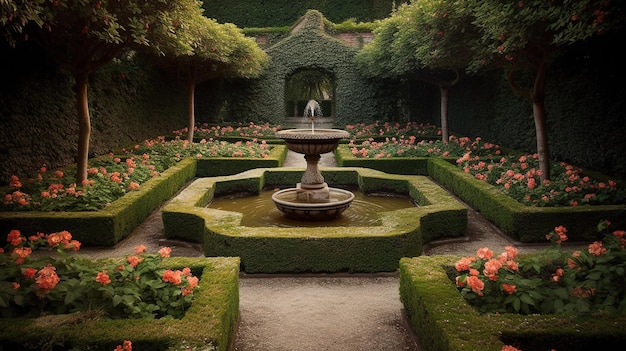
(476, 284)
(596, 248)
(174, 277)
(29, 273)
(15, 237)
(103, 278)
(463, 264)
(140, 249)
(484, 253)
(508, 288)
(47, 278)
(134, 260)
(165, 252)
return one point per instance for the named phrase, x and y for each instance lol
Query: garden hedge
(444, 321)
(209, 324)
(110, 225)
(520, 222)
(401, 233)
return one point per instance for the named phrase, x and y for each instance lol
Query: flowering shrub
(362, 130)
(110, 177)
(519, 177)
(552, 281)
(411, 146)
(249, 130)
(177, 149)
(133, 287)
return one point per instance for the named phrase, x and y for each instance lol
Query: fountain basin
(309, 141)
(290, 202)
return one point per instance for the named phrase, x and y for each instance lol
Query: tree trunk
(84, 126)
(191, 93)
(539, 115)
(444, 113)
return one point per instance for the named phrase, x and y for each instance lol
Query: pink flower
(596, 248)
(103, 278)
(165, 252)
(484, 253)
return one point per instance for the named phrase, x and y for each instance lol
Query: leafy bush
(134, 287)
(552, 281)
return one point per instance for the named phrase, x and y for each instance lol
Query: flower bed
(572, 198)
(108, 225)
(208, 324)
(444, 321)
(379, 130)
(233, 132)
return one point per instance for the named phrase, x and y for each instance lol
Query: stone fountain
(312, 198)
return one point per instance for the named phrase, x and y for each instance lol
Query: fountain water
(312, 107)
(312, 199)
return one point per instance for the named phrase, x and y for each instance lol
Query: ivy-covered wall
(308, 47)
(129, 102)
(280, 13)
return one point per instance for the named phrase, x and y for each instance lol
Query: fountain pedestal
(312, 198)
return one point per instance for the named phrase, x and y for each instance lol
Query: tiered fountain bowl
(312, 199)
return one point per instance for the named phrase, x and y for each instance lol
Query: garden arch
(310, 47)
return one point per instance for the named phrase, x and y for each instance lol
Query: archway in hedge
(305, 84)
(310, 47)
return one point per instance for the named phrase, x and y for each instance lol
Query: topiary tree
(523, 37)
(211, 50)
(83, 36)
(427, 40)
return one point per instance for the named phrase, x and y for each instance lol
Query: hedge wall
(585, 108)
(278, 13)
(129, 102)
(308, 47)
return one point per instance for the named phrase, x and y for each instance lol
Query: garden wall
(278, 13)
(129, 102)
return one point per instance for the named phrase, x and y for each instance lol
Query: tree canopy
(211, 50)
(427, 40)
(522, 37)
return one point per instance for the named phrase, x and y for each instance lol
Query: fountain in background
(312, 198)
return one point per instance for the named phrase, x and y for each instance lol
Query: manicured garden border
(209, 324)
(520, 222)
(110, 225)
(322, 249)
(444, 321)
(523, 223)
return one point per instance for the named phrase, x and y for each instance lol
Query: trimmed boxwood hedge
(401, 233)
(209, 324)
(110, 225)
(520, 222)
(444, 321)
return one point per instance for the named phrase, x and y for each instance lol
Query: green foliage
(110, 178)
(133, 287)
(514, 32)
(552, 281)
(279, 13)
(423, 35)
(308, 48)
